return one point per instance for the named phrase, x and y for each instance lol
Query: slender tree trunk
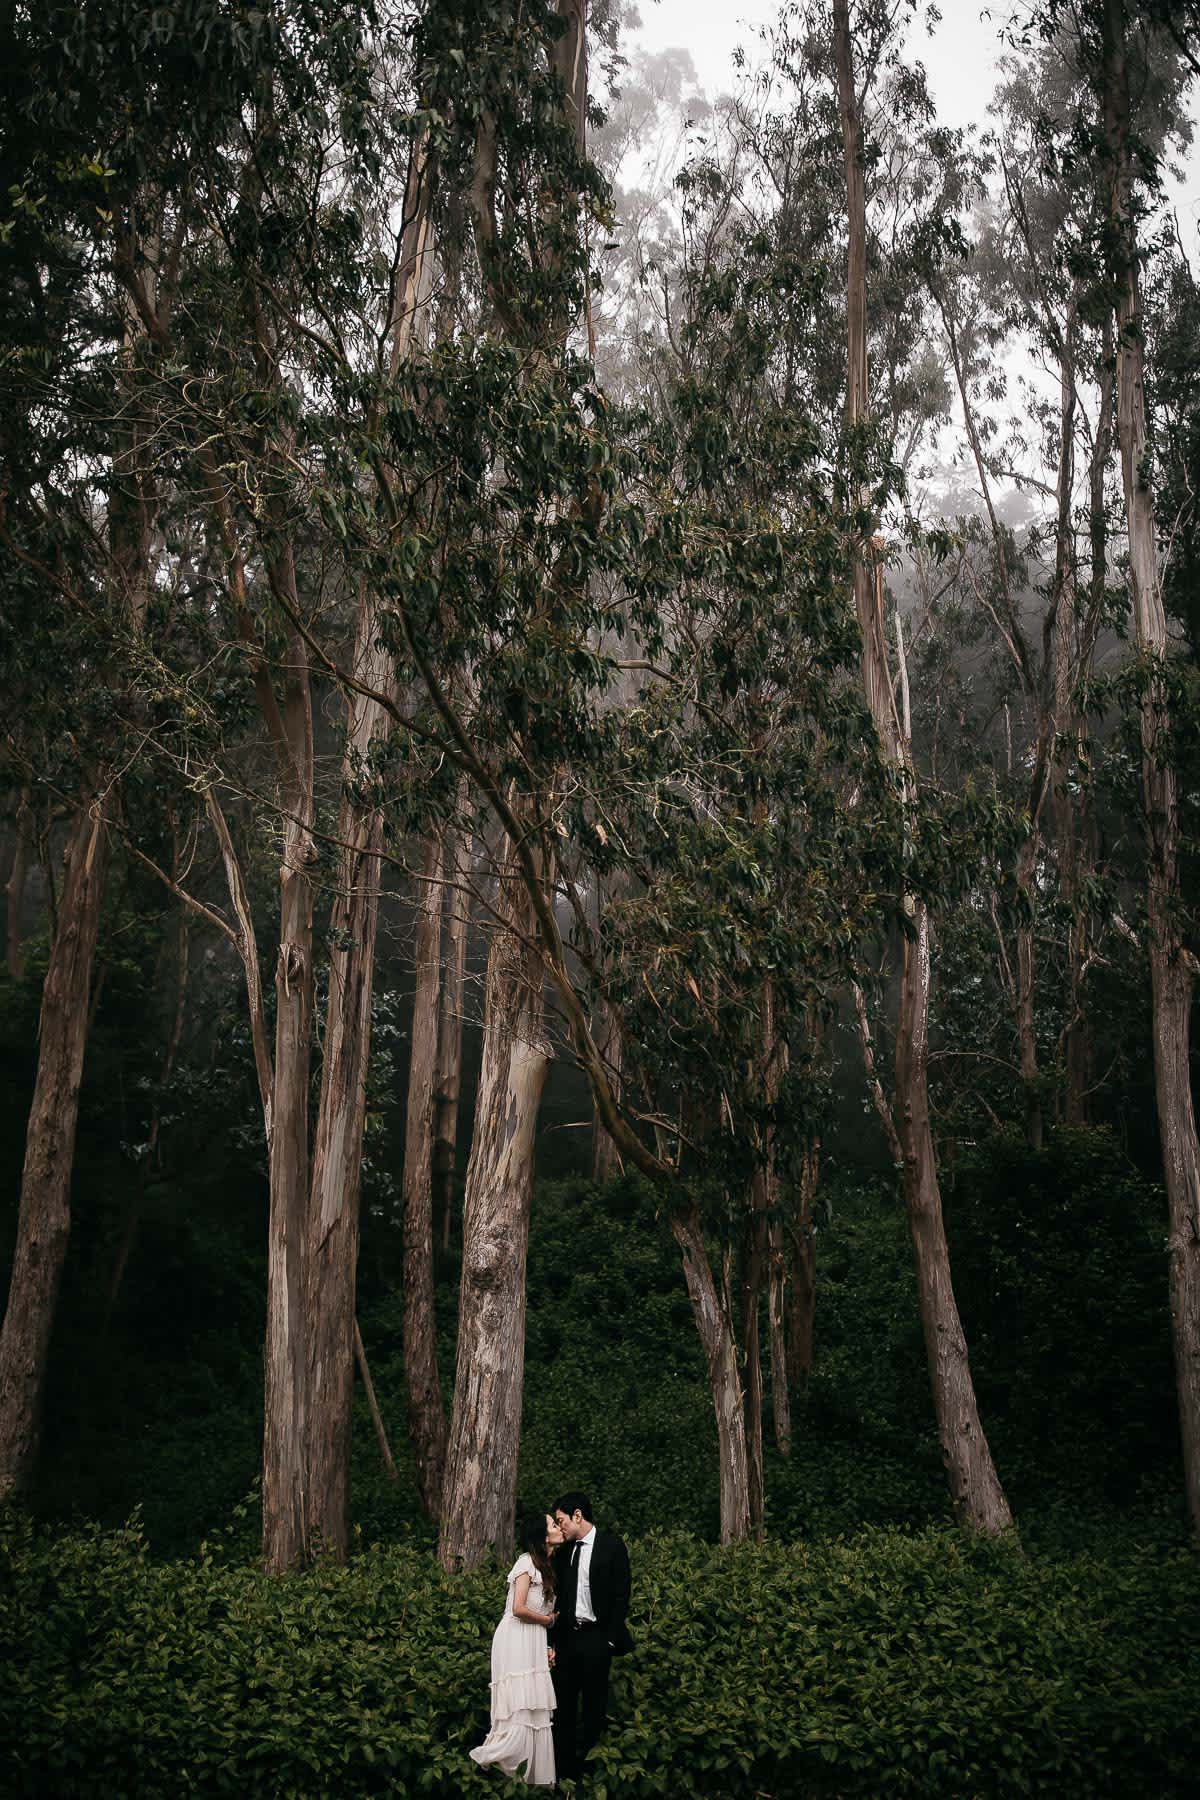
(802, 1310)
(1026, 1009)
(781, 1402)
(1171, 970)
(480, 1487)
(606, 1160)
(426, 1413)
(44, 1217)
(714, 1322)
(450, 1029)
(15, 887)
(385, 1449)
(285, 1422)
(974, 1484)
(332, 1230)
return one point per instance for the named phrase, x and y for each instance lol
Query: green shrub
(880, 1664)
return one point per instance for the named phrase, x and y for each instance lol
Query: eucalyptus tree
(1149, 55)
(1172, 964)
(974, 1484)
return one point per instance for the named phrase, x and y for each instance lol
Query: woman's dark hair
(533, 1539)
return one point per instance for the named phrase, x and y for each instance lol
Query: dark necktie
(573, 1582)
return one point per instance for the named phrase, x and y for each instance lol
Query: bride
(522, 1690)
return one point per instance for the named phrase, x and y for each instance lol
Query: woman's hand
(550, 1619)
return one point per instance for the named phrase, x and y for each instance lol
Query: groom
(591, 1576)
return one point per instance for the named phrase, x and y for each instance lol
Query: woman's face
(554, 1536)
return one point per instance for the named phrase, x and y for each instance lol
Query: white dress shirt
(583, 1588)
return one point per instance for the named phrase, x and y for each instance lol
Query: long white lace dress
(522, 1690)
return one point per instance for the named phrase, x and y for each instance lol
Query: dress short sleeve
(523, 1566)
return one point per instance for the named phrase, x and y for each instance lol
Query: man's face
(568, 1524)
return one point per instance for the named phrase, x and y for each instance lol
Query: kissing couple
(564, 1621)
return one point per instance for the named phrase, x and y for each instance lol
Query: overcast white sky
(959, 57)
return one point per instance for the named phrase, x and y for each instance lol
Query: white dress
(522, 1690)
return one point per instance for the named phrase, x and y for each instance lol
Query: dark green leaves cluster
(919, 1666)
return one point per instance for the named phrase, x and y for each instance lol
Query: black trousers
(581, 1665)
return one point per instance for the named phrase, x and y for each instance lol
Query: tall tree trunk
(714, 1321)
(974, 1484)
(15, 887)
(754, 1273)
(44, 1217)
(450, 1027)
(1171, 974)
(426, 1413)
(757, 1263)
(480, 1488)
(285, 1413)
(332, 1228)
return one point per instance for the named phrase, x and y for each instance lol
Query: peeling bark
(480, 1488)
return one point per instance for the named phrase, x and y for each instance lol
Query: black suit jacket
(608, 1578)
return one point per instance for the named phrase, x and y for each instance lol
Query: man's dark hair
(575, 1501)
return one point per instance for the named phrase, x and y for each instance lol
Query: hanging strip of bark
(480, 1488)
(426, 1412)
(974, 1485)
(1170, 968)
(44, 1216)
(450, 1026)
